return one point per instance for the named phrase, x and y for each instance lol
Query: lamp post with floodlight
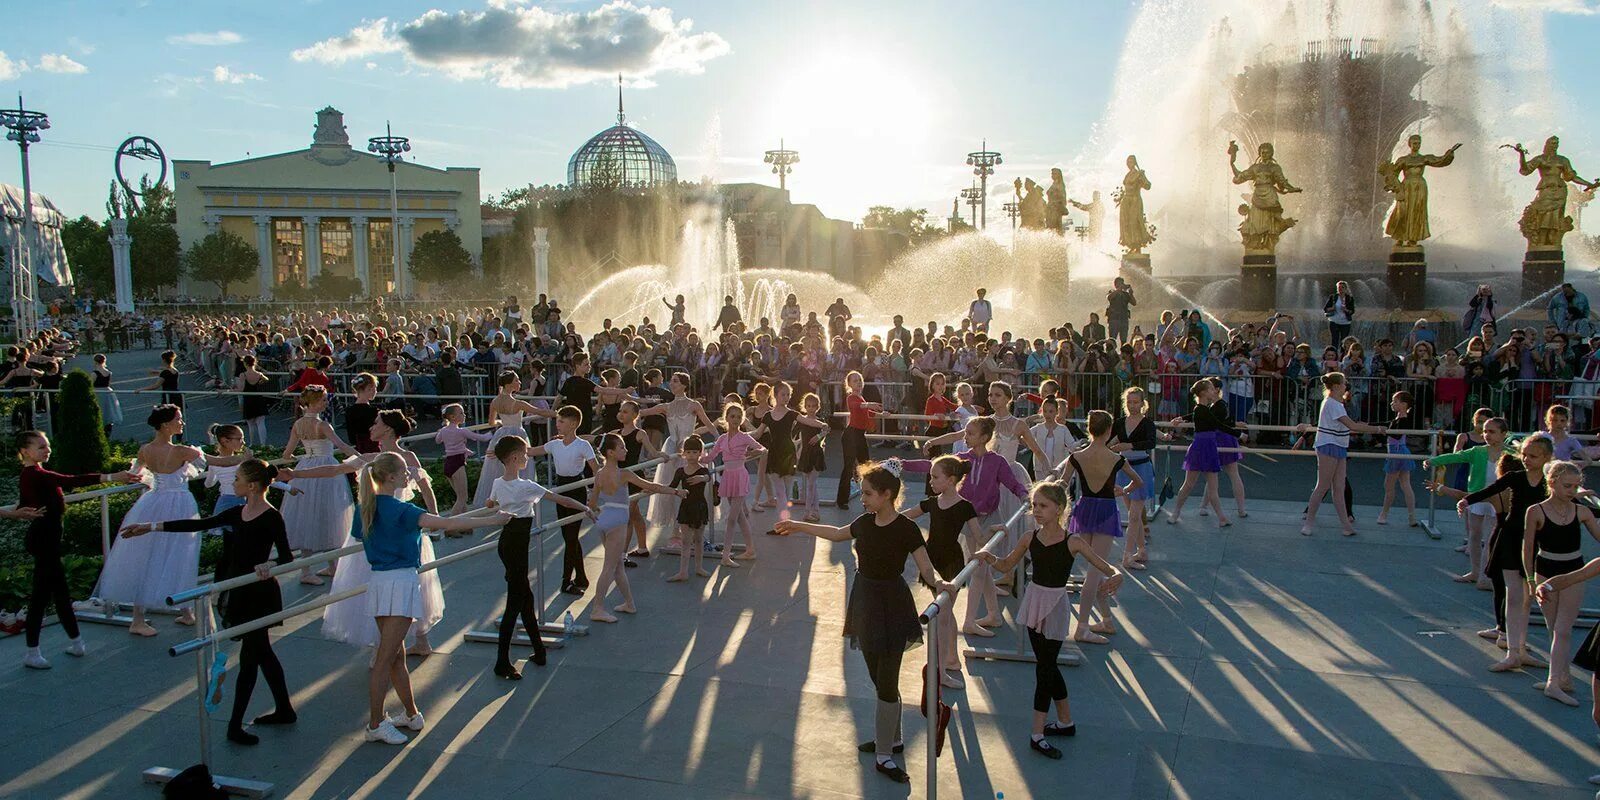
(974, 198)
(782, 161)
(391, 148)
(983, 163)
(23, 126)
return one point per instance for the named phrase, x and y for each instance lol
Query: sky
(882, 99)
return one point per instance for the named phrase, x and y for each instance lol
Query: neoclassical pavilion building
(325, 210)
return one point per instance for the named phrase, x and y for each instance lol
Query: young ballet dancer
(755, 421)
(813, 459)
(777, 435)
(1045, 609)
(41, 500)
(454, 435)
(1214, 427)
(1552, 543)
(1334, 426)
(1134, 436)
(735, 448)
(693, 510)
(1480, 462)
(611, 503)
(1054, 439)
(1588, 654)
(251, 532)
(519, 497)
(319, 518)
(639, 448)
(1524, 480)
(390, 531)
(1096, 516)
(506, 410)
(1397, 471)
(1558, 423)
(987, 472)
(571, 459)
(859, 420)
(950, 517)
(881, 619)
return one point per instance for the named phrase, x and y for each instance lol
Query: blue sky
(882, 99)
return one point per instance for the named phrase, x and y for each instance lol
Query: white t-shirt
(1329, 429)
(569, 458)
(517, 496)
(1056, 444)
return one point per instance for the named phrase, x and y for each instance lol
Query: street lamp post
(983, 163)
(390, 148)
(782, 161)
(1013, 210)
(974, 198)
(23, 126)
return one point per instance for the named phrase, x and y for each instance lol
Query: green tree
(89, 253)
(80, 438)
(439, 258)
(156, 254)
(221, 258)
(913, 222)
(329, 286)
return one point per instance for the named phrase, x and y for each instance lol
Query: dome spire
(621, 120)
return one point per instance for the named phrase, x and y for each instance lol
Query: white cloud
(529, 47)
(206, 38)
(1553, 6)
(10, 70)
(221, 74)
(56, 62)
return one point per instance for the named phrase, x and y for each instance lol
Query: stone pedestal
(122, 264)
(1137, 262)
(1258, 282)
(1408, 276)
(1542, 270)
(541, 260)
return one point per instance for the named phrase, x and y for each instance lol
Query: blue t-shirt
(395, 541)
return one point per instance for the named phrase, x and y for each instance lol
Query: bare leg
(1325, 473)
(730, 506)
(1411, 498)
(612, 543)
(741, 517)
(1176, 515)
(636, 527)
(1558, 684)
(1214, 500)
(1237, 482)
(458, 484)
(1089, 599)
(1390, 482)
(1516, 623)
(983, 591)
(382, 675)
(1475, 542)
(1345, 519)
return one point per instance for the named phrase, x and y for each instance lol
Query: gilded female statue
(1263, 221)
(1030, 204)
(1055, 201)
(1545, 219)
(1408, 221)
(1134, 230)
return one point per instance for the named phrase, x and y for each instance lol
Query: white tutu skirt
(350, 621)
(1047, 610)
(394, 593)
(662, 513)
(319, 517)
(145, 570)
(110, 406)
(1009, 503)
(492, 469)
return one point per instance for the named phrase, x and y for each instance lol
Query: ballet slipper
(729, 563)
(1555, 693)
(1138, 565)
(1383, 519)
(1508, 664)
(1105, 626)
(1467, 578)
(1531, 660)
(1002, 591)
(992, 621)
(1090, 637)
(142, 629)
(678, 578)
(1224, 522)
(1491, 634)
(1349, 531)
(977, 630)
(1461, 549)
(1501, 643)
(1305, 530)
(949, 681)
(704, 573)
(1484, 585)
(748, 555)
(626, 608)
(419, 650)
(1243, 514)
(601, 616)
(312, 580)
(186, 619)
(326, 572)
(1173, 519)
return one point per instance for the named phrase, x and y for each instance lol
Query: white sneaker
(76, 648)
(35, 661)
(386, 733)
(401, 721)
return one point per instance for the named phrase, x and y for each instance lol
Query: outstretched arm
(832, 533)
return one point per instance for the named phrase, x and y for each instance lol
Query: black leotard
(169, 388)
(944, 526)
(1505, 544)
(1558, 539)
(102, 380)
(1105, 492)
(881, 550)
(1142, 439)
(780, 443)
(692, 510)
(1052, 563)
(245, 543)
(1215, 417)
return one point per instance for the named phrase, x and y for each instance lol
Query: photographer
(1119, 303)
(1340, 309)
(1568, 308)
(1480, 309)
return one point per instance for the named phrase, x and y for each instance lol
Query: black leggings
(885, 671)
(513, 549)
(1048, 684)
(572, 550)
(255, 653)
(855, 454)
(49, 586)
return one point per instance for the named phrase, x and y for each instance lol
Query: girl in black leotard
(250, 533)
(639, 447)
(1095, 517)
(1134, 436)
(950, 516)
(1213, 426)
(1045, 609)
(1552, 529)
(693, 511)
(777, 435)
(881, 620)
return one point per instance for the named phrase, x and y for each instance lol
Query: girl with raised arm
(1134, 436)
(611, 504)
(1334, 426)
(735, 447)
(319, 517)
(507, 410)
(1096, 517)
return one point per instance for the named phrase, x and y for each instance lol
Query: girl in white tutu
(110, 407)
(507, 410)
(390, 531)
(1045, 609)
(144, 572)
(319, 517)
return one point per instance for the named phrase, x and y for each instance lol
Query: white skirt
(1008, 505)
(395, 593)
(319, 517)
(145, 570)
(1046, 610)
(110, 406)
(492, 469)
(1484, 509)
(662, 513)
(350, 621)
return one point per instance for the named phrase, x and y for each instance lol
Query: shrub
(80, 435)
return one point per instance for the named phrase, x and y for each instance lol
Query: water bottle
(566, 626)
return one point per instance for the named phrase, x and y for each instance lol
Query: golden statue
(1030, 204)
(1408, 221)
(1055, 201)
(1545, 219)
(1263, 216)
(1134, 229)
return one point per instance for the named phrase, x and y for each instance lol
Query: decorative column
(122, 264)
(402, 273)
(358, 232)
(313, 247)
(541, 261)
(264, 277)
(213, 223)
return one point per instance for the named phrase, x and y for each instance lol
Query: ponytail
(385, 467)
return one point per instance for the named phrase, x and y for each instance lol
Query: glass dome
(619, 157)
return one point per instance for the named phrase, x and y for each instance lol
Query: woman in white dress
(144, 571)
(319, 517)
(507, 410)
(110, 407)
(685, 416)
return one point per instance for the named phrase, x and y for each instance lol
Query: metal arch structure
(142, 148)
